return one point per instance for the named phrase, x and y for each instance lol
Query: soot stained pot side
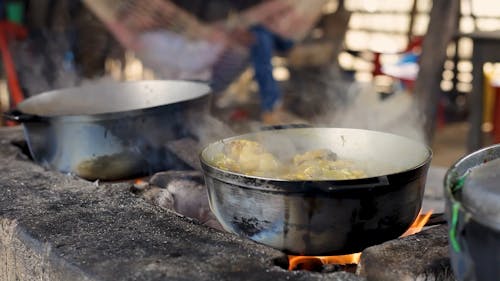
(112, 130)
(474, 237)
(330, 217)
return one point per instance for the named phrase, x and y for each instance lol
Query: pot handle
(363, 183)
(455, 227)
(285, 126)
(330, 186)
(19, 116)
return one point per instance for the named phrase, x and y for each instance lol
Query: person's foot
(270, 118)
(280, 117)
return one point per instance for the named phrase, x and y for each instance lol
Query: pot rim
(109, 115)
(284, 185)
(113, 114)
(452, 175)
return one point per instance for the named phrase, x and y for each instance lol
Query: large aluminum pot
(111, 130)
(323, 217)
(474, 236)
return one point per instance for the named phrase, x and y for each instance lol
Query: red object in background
(9, 31)
(441, 115)
(239, 115)
(496, 113)
(413, 46)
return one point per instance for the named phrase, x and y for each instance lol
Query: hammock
(178, 46)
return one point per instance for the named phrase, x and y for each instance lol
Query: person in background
(167, 35)
(262, 49)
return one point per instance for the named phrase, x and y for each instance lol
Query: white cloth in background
(175, 56)
(407, 71)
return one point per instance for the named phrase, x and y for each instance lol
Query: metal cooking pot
(323, 217)
(111, 130)
(474, 237)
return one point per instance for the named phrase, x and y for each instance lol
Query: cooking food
(252, 158)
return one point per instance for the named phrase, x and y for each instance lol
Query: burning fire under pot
(312, 262)
(185, 193)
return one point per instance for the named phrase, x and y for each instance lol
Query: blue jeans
(261, 53)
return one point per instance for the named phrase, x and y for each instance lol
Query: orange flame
(295, 261)
(308, 262)
(139, 181)
(418, 224)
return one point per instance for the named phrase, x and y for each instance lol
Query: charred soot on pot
(111, 130)
(327, 216)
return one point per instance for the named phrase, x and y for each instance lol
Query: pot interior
(111, 97)
(375, 152)
(457, 175)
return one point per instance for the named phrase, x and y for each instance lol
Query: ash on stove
(179, 191)
(124, 236)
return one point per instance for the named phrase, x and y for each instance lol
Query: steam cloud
(358, 105)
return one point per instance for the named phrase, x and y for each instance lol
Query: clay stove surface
(57, 227)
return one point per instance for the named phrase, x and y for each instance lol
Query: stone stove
(57, 227)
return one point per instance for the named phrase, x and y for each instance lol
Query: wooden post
(413, 14)
(336, 25)
(442, 29)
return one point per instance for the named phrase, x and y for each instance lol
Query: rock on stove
(423, 256)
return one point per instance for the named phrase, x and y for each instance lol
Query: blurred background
(419, 68)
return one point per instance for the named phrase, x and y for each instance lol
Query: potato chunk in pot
(247, 157)
(252, 158)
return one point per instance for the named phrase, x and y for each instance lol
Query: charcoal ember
(139, 187)
(423, 256)
(327, 268)
(162, 179)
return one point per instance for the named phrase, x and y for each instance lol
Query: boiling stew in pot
(252, 158)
